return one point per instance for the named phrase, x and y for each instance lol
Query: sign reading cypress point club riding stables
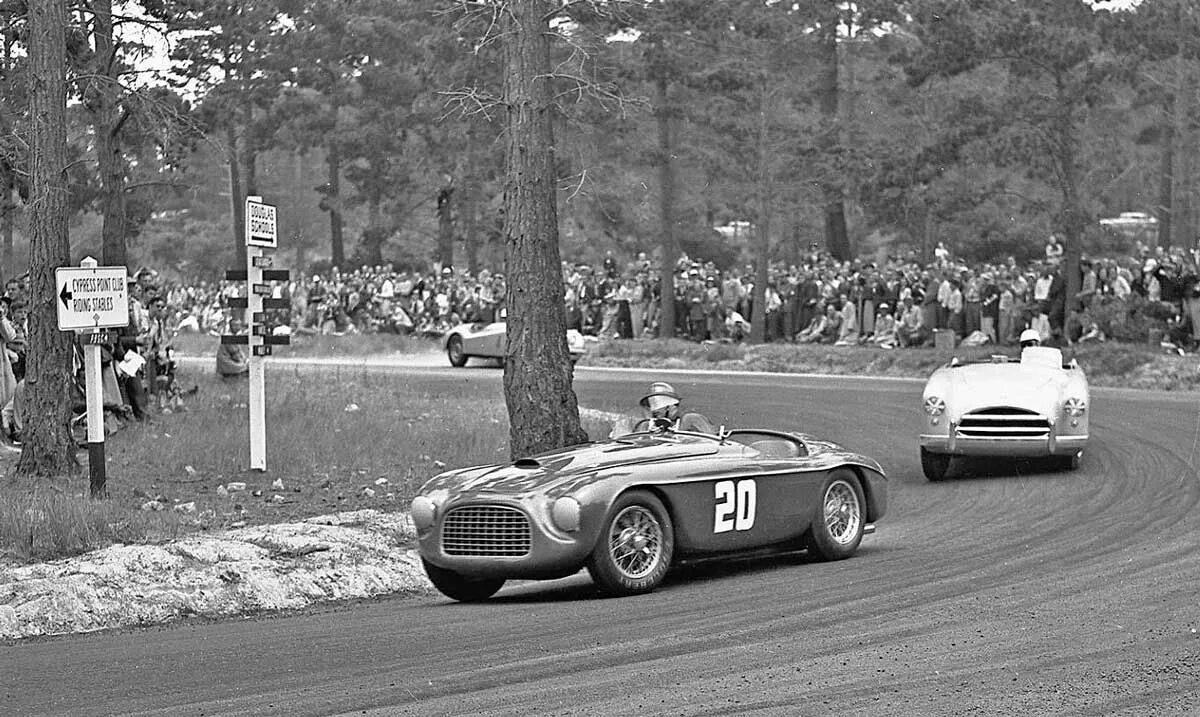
(91, 297)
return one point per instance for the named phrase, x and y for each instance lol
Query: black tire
(454, 352)
(1071, 462)
(935, 465)
(636, 543)
(460, 588)
(839, 518)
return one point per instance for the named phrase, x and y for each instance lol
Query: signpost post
(91, 299)
(262, 232)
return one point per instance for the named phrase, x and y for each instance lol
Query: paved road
(1013, 589)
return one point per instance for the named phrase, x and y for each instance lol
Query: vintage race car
(486, 340)
(627, 508)
(1032, 406)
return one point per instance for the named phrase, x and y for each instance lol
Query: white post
(257, 380)
(94, 396)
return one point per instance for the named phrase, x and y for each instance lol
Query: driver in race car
(664, 411)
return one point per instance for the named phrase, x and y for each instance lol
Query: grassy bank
(1106, 364)
(337, 440)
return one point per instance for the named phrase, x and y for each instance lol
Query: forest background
(868, 128)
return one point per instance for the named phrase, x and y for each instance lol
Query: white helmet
(1031, 337)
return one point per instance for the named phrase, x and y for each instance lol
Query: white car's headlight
(565, 514)
(1075, 407)
(934, 406)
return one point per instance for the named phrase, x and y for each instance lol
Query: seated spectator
(231, 359)
(911, 329)
(812, 333)
(885, 329)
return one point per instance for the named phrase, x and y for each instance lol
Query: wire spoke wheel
(635, 545)
(843, 513)
(635, 542)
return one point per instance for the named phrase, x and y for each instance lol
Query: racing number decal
(737, 504)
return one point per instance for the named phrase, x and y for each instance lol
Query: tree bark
(49, 449)
(837, 240)
(337, 246)
(758, 318)
(666, 208)
(106, 127)
(1165, 212)
(1184, 185)
(542, 408)
(468, 203)
(445, 219)
(237, 197)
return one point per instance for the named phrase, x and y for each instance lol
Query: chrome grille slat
(1004, 422)
(486, 530)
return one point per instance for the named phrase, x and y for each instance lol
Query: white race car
(484, 340)
(1035, 406)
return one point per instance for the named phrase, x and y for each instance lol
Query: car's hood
(1037, 388)
(542, 471)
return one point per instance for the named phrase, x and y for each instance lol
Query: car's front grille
(1004, 422)
(486, 530)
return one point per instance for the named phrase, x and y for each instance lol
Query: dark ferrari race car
(628, 507)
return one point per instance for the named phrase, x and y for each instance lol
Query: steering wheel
(653, 424)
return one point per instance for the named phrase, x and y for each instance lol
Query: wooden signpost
(262, 233)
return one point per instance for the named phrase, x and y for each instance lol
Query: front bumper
(959, 445)
(552, 553)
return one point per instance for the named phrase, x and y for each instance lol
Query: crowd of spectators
(900, 302)
(896, 303)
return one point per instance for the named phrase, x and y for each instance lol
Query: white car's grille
(1004, 422)
(486, 530)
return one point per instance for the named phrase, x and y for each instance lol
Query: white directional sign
(91, 297)
(261, 228)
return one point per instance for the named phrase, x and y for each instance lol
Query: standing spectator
(989, 306)
(1054, 249)
(848, 331)
(911, 331)
(954, 308)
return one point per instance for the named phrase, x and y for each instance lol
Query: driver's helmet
(1030, 337)
(662, 401)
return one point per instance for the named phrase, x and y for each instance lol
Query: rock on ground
(271, 567)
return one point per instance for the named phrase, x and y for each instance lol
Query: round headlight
(1075, 407)
(565, 514)
(934, 406)
(423, 512)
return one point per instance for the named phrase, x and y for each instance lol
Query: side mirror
(722, 434)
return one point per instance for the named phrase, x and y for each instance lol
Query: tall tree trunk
(237, 197)
(666, 208)
(1185, 135)
(375, 233)
(1073, 213)
(837, 240)
(106, 125)
(762, 259)
(1165, 211)
(543, 412)
(49, 449)
(468, 202)
(8, 182)
(445, 219)
(8, 215)
(333, 162)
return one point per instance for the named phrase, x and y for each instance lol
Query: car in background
(488, 340)
(629, 507)
(1033, 406)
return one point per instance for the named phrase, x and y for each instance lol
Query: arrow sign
(91, 297)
